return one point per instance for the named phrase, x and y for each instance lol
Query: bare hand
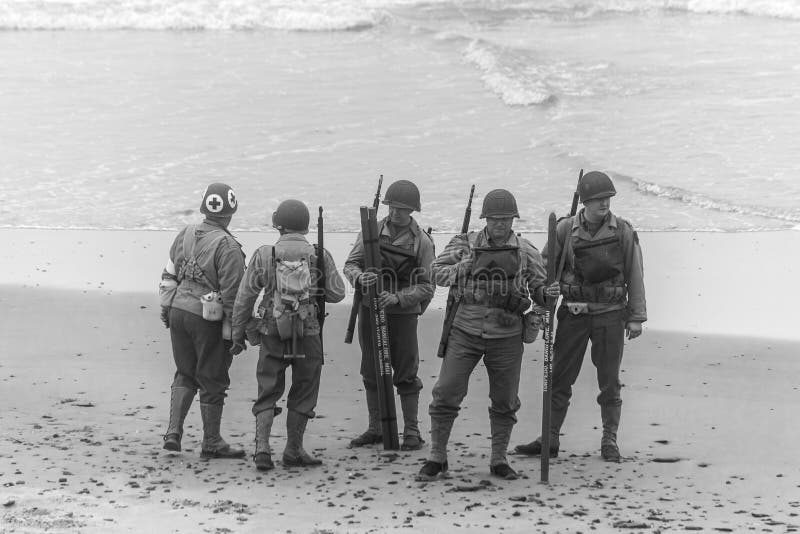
(386, 299)
(553, 290)
(633, 329)
(238, 346)
(368, 278)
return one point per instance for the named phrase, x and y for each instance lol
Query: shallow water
(121, 117)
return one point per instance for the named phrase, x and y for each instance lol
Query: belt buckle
(577, 308)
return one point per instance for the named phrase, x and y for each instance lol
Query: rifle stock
(454, 296)
(357, 295)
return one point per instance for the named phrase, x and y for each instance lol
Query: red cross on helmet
(219, 200)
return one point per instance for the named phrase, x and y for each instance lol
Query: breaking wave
(706, 202)
(186, 15)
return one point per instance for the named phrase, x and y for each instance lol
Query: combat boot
(262, 456)
(412, 441)
(180, 401)
(608, 444)
(294, 455)
(213, 444)
(534, 448)
(374, 433)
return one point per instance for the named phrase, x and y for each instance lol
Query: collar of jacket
(214, 225)
(580, 221)
(292, 237)
(413, 227)
(510, 241)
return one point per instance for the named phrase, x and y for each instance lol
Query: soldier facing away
(406, 255)
(497, 274)
(202, 275)
(286, 277)
(603, 289)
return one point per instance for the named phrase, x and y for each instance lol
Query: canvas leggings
(607, 334)
(404, 350)
(202, 357)
(271, 375)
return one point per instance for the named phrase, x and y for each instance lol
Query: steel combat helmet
(291, 215)
(219, 200)
(595, 184)
(403, 194)
(499, 203)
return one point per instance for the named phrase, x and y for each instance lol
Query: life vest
(495, 280)
(598, 273)
(398, 262)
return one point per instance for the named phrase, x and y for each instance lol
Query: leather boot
(263, 456)
(412, 441)
(374, 434)
(294, 455)
(608, 444)
(534, 448)
(213, 444)
(180, 401)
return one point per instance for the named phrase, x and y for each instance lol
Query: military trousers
(271, 375)
(606, 331)
(403, 347)
(503, 361)
(202, 357)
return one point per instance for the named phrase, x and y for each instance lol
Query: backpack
(292, 295)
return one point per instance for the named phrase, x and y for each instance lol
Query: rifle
(357, 296)
(321, 281)
(379, 331)
(549, 317)
(573, 210)
(547, 375)
(455, 294)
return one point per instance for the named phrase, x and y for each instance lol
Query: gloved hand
(165, 316)
(238, 346)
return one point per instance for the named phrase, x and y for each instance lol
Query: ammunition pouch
(532, 322)
(607, 294)
(509, 302)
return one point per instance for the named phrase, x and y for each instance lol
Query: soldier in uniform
(497, 273)
(603, 289)
(302, 349)
(204, 260)
(406, 255)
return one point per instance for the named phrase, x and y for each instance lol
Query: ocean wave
(187, 15)
(706, 202)
(506, 81)
(785, 9)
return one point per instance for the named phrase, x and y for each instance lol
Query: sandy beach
(709, 431)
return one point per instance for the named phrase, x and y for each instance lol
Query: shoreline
(695, 282)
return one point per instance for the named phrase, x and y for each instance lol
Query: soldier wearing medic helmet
(280, 284)
(603, 289)
(497, 274)
(198, 289)
(406, 255)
